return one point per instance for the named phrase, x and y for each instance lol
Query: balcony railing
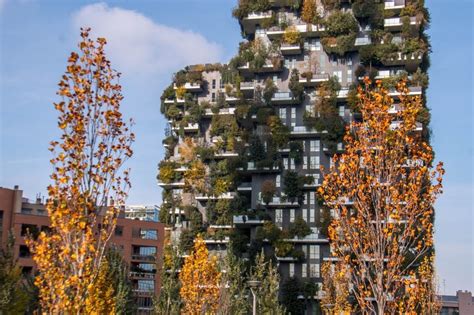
(143, 257)
(142, 275)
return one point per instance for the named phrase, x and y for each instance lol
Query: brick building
(141, 242)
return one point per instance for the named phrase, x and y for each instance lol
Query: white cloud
(138, 45)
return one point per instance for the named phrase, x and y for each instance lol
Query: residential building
(256, 127)
(143, 213)
(141, 242)
(461, 304)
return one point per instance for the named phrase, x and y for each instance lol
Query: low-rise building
(140, 241)
(460, 304)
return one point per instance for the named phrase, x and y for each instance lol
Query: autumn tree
(200, 280)
(335, 298)
(382, 191)
(89, 184)
(309, 12)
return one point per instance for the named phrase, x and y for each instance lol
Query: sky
(150, 40)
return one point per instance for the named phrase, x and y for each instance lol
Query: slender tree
(88, 184)
(233, 289)
(382, 191)
(169, 302)
(200, 280)
(267, 294)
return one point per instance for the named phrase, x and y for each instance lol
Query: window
(293, 113)
(282, 113)
(338, 74)
(342, 111)
(292, 270)
(221, 83)
(314, 252)
(305, 199)
(275, 79)
(285, 163)
(118, 230)
(278, 181)
(292, 215)
(305, 162)
(146, 285)
(312, 218)
(314, 162)
(305, 215)
(349, 61)
(213, 83)
(322, 60)
(312, 198)
(317, 44)
(149, 234)
(304, 270)
(213, 97)
(26, 210)
(314, 145)
(27, 229)
(314, 270)
(309, 109)
(24, 251)
(349, 76)
(292, 164)
(278, 216)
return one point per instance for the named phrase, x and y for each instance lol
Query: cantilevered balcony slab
(317, 79)
(179, 184)
(228, 195)
(400, 59)
(266, 68)
(189, 128)
(394, 5)
(290, 49)
(253, 19)
(396, 23)
(246, 221)
(191, 87)
(279, 202)
(283, 98)
(303, 131)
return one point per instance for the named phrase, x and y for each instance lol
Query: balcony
(303, 131)
(141, 275)
(223, 155)
(251, 21)
(396, 124)
(396, 23)
(224, 240)
(280, 202)
(342, 94)
(290, 49)
(244, 220)
(191, 87)
(139, 257)
(412, 91)
(269, 67)
(245, 187)
(143, 292)
(363, 41)
(190, 128)
(179, 184)
(178, 101)
(287, 259)
(315, 80)
(227, 195)
(223, 111)
(400, 59)
(396, 5)
(314, 238)
(283, 98)
(247, 86)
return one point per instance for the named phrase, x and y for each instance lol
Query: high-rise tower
(246, 140)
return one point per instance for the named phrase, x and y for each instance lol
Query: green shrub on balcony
(224, 125)
(193, 216)
(299, 228)
(256, 149)
(269, 90)
(280, 132)
(167, 173)
(168, 93)
(270, 232)
(220, 212)
(296, 151)
(283, 248)
(247, 6)
(165, 215)
(340, 23)
(292, 36)
(293, 186)
(339, 45)
(186, 239)
(324, 220)
(268, 190)
(296, 88)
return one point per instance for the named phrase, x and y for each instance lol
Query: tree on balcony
(280, 132)
(200, 280)
(293, 186)
(268, 191)
(390, 221)
(309, 11)
(292, 36)
(299, 228)
(269, 90)
(296, 88)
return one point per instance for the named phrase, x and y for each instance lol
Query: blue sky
(149, 40)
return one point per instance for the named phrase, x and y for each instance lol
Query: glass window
(314, 252)
(349, 76)
(304, 270)
(292, 270)
(314, 162)
(146, 285)
(292, 215)
(338, 74)
(292, 164)
(342, 110)
(213, 97)
(305, 215)
(278, 181)
(314, 270)
(293, 113)
(118, 230)
(282, 113)
(312, 218)
(149, 234)
(314, 145)
(213, 83)
(305, 162)
(285, 163)
(278, 216)
(312, 198)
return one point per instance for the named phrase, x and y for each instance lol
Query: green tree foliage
(299, 228)
(268, 191)
(267, 293)
(293, 185)
(13, 296)
(233, 289)
(169, 301)
(118, 274)
(296, 88)
(291, 289)
(269, 90)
